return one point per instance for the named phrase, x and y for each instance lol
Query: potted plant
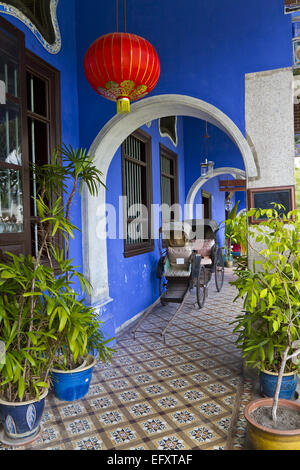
(269, 328)
(230, 236)
(25, 332)
(83, 344)
(82, 341)
(41, 316)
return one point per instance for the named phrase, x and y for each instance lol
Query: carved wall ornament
(40, 17)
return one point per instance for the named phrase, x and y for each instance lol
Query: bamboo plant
(41, 315)
(269, 328)
(230, 235)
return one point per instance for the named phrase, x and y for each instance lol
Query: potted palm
(25, 332)
(269, 328)
(41, 317)
(82, 341)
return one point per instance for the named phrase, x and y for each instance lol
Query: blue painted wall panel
(205, 48)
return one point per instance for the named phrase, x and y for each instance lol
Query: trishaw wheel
(201, 287)
(219, 272)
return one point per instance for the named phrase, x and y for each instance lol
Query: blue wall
(219, 148)
(205, 48)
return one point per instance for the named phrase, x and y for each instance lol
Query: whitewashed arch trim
(235, 172)
(104, 148)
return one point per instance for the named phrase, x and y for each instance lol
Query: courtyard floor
(187, 394)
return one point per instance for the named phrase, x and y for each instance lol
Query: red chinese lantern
(122, 67)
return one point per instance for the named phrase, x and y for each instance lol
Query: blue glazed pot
(268, 381)
(73, 385)
(21, 421)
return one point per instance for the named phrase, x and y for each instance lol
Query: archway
(235, 172)
(104, 148)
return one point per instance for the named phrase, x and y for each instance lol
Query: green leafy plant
(42, 318)
(269, 328)
(230, 233)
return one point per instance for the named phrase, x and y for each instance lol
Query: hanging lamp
(122, 67)
(207, 167)
(228, 204)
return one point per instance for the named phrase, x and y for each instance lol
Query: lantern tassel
(123, 106)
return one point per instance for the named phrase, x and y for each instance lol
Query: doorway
(206, 203)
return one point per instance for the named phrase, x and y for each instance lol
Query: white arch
(235, 172)
(104, 148)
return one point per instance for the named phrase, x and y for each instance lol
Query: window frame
(21, 242)
(165, 152)
(41, 69)
(146, 246)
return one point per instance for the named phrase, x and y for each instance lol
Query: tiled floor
(186, 394)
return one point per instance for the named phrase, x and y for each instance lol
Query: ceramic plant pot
(21, 421)
(264, 438)
(73, 385)
(268, 381)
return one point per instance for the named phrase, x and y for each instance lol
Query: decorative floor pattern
(187, 394)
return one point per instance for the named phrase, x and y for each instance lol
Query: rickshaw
(189, 255)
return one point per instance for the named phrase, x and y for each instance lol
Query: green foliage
(230, 232)
(297, 182)
(270, 323)
(42, 319)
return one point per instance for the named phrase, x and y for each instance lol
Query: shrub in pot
(83, 344)
(81, 332)
(269, 328)
(30, 340)
(230, 236)
(40, 314)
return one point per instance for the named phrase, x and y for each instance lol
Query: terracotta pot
(263, 438)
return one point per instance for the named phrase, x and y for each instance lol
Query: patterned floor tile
(110, 417)
(154, 426)
(71, 410)
(140, 409)
(129, 396)
(122, 435)
(192, 395)
(168, 402)
(79, 426)
(153, 390)
(49, 434)
(183, 417)
(204, 434)
(88, 443)
(101, 403)
(171, 442)
(186, 393)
